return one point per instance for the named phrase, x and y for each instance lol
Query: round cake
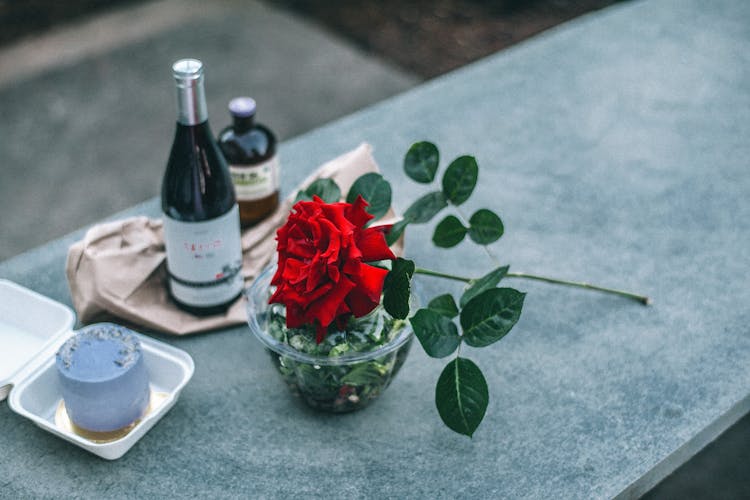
(103, 378)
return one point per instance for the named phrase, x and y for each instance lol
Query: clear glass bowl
(348, 370)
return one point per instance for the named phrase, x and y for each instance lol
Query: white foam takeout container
(32, 328)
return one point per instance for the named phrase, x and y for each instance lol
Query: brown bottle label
(256, 181)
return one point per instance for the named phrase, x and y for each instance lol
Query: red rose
(322, 274)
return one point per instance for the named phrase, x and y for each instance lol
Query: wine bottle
(250, 150)
(201, 216)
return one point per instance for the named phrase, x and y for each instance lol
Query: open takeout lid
(31, 327)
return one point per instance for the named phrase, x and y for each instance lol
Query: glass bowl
(348, 370)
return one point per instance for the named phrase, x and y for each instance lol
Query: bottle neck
(191, 102)
(242, 124)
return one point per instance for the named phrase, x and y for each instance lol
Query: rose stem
(639, 298)
(437, 274)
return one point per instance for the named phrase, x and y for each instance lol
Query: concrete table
(615, 149)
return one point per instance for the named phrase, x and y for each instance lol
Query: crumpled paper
(117, 271)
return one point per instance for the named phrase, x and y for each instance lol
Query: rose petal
(371, 242)
(321, 276)
(370, 281)
(324, 308)
(334, 237)
(291, 272)
(333, 273)
(294, 316)
(320, 334)
(336, 213)
(316, 272)
(351, 267)
(356, 212)
(288, 295)
(301, 248)
(343, 310)
(359, 303)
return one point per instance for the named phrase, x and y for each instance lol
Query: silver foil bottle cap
(243, 107)
(191, 98)
(187, 70)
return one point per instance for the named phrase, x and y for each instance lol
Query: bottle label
(256, 181)
(204, 259)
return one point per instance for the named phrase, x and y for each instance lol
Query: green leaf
(302, 196)
(397, 288)
(489, 280)
(449, 232)
(326, 189)
(426, 207)
(402, 266)
(445, 305)
(375, 190)
(461, 396)
(485, 227)
(395, 232)
(362, 374)
(460, 178)
(421, 162)
(437, 334)
(489, 316)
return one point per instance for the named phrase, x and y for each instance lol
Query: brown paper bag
(117, 270)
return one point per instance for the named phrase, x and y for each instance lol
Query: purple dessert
(103, 377)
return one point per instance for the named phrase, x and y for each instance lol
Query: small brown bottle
(250, 150)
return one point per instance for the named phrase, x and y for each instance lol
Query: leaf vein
(459, 402)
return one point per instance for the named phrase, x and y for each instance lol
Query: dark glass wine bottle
(250, 150)
(201, 217)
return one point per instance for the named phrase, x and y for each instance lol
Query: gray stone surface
(91, 137)
(615, 148)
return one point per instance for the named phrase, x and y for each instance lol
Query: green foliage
(487, 313)
(437, 333)
(397, 288)
(326, 189)
(449, 232)
(363, 374)
(445, 305)
(425, 208)
(461, 396)
(489, 316)
(360, 335)
(485, 227)
(338, 387)
(396, 231)
(421, 162)
(489, 280)
(375, 190)
(460, 178)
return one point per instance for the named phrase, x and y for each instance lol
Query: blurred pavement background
(88, 110)
(87, 105)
